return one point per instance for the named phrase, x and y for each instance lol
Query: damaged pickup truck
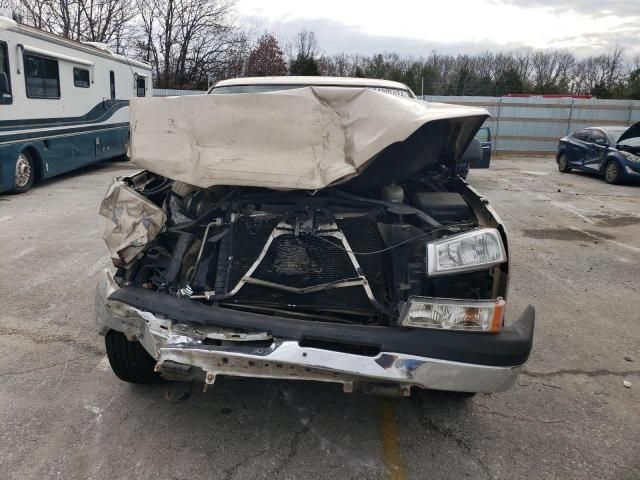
(308, 229)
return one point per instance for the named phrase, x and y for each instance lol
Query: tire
(24, 174)
(125, 156)
(563, 163)
(612, 173)
(129, 360)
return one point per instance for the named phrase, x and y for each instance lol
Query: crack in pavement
(37, 369)
(292, 447)
(429, 425)
(518, 417)
(35, 337)
(30, 370)
(588, 373)
(229, 473)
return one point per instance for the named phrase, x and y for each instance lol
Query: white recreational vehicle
(63, 104)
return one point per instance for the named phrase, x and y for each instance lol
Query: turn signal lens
(447, 314)
(474, 250)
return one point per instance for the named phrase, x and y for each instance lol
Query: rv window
(112, 84)
(5, 75)
(141, 86)
(41, 77)
(81, 77)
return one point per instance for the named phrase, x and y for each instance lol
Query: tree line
(191, 43)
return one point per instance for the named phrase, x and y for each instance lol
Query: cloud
(336, 37)
(592, 8)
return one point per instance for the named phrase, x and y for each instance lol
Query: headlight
(630, 156)
(474, 250)
(446, 314)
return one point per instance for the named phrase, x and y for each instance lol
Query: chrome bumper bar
(181, 348)
(288, 360)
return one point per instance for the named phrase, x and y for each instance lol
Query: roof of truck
(313, 80)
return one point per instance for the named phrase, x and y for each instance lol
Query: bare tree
(306, 44)
(107, 21)
(189, 40)
(304, 54)
(600, 75)
(551, 70)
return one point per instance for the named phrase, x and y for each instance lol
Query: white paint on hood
(306, 138)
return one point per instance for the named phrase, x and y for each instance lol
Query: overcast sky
(452, 26)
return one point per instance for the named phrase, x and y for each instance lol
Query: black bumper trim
(509, 348)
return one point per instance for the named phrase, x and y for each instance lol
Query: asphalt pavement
(575, 255)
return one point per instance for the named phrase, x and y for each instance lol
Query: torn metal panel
(306, 138)
(129, 222)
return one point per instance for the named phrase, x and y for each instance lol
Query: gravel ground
(575, 255)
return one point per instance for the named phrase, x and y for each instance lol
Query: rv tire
(24, 173)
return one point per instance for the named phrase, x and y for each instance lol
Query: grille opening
(364, 350)
(304, 261)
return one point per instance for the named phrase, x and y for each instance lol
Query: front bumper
(192, 341)
(632, 172)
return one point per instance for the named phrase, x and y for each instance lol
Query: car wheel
(24, 174)
(612, 173)
(124, 157)
(129, 360)
(563, 163)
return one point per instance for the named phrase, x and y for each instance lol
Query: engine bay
(326, 255)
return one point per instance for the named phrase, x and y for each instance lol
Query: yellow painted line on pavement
(391, 451)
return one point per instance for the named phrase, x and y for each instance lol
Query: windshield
(616, 132)
(630, 142)
(274, 88)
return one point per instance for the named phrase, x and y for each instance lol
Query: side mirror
(602, 142)
(4, 84)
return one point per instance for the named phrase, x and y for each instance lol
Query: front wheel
(24, 174)
(563, 163)
(612, 173)
(129, 360)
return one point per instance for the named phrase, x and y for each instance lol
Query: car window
(582, 135)
(483, 134)
(595, 135)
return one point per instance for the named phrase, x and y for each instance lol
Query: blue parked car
(612, 152)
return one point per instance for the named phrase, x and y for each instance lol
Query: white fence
(535, 124)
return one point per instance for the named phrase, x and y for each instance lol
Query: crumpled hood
(632, 132)
(306, 138)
